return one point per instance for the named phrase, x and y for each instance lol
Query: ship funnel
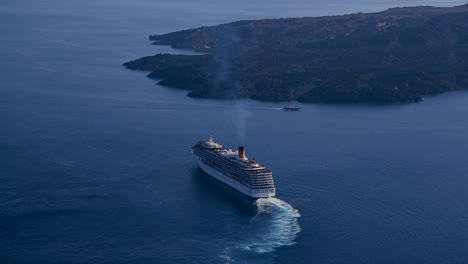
(241, 152)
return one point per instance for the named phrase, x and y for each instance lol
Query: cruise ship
(234, 169)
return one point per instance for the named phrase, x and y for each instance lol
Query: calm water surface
(96, 165)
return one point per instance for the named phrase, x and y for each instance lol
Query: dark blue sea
(95, 162)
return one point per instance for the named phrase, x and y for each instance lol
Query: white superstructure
(234, 169)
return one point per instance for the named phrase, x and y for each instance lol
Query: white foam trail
(275, 225)
(281, 220)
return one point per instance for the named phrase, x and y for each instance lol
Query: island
(395, 56)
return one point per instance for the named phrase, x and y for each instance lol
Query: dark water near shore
(95, 163)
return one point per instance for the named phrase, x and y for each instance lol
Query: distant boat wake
(275, 225)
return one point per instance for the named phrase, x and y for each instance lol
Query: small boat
(291, 108)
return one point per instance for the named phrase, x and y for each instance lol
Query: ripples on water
(96, 164)
(275, 225)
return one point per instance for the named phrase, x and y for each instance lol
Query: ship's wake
(275, 225)
(280, 218)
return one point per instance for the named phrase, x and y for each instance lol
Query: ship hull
(226, 179)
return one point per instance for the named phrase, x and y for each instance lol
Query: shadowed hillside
(395, 56)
